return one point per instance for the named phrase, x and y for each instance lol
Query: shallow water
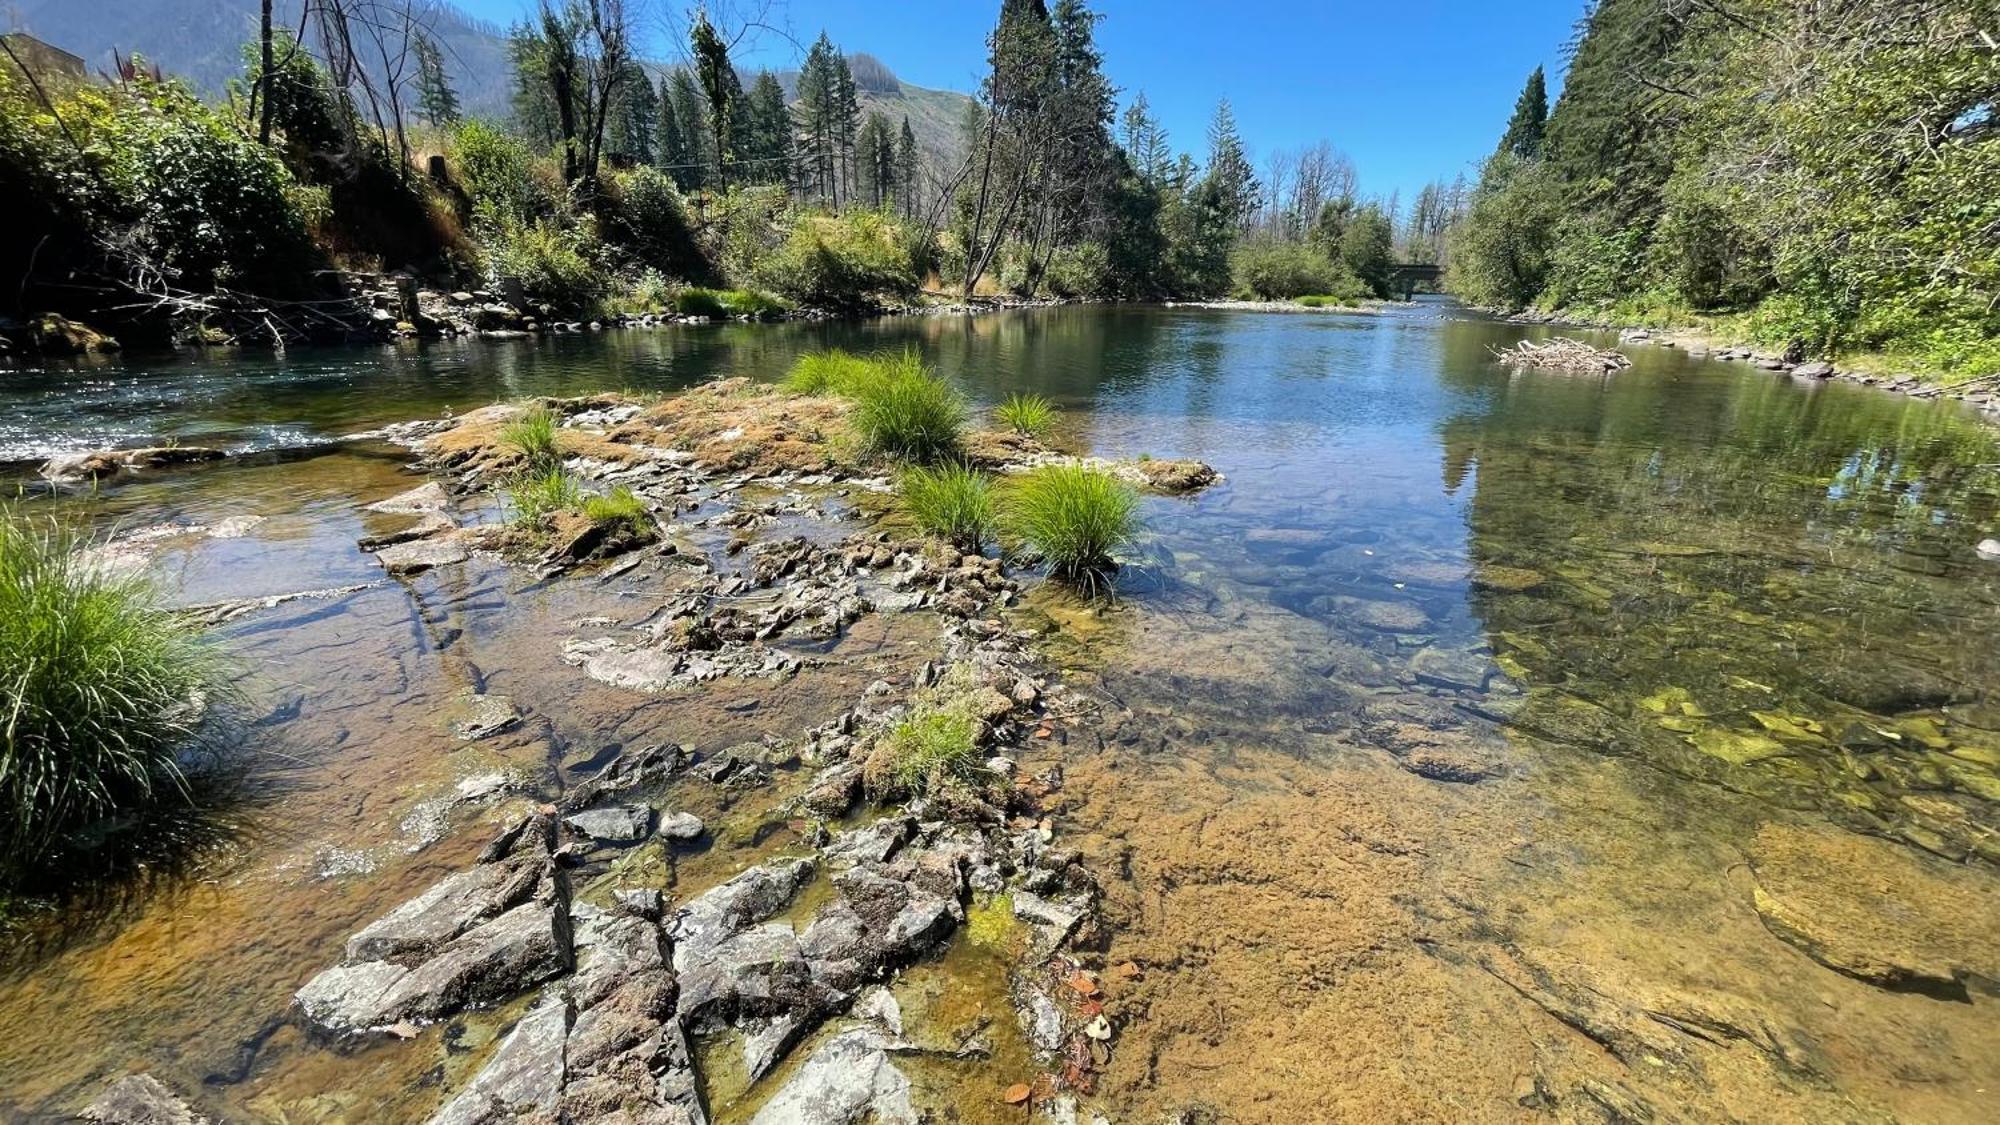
(1665, 617)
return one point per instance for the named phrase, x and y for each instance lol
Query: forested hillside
(1825, 176)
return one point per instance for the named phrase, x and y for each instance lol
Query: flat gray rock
(613, 824)
(524, 1076)
(850, 1079)
(140, 1099)
(680, 826)
(419, 555)
(429, 497)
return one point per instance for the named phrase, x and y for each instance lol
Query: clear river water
(1487, 745)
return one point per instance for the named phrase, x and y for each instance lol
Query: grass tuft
(696, 301)
(829, 372)
(534, 434)
(105, 694)
(1029, 415)
(1322, 300)
(903, 409)
(953, 502)
(1074, 517)
(536, 494)
(622, 508)
(931, 747)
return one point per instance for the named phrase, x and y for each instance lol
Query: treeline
(1819, 176)
(619, 185)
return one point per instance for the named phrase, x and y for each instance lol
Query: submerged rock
(614, 824)
(140, 1099)
(418, 555)
(104, 463)
(848, 1080)
(478, 937)
(1876, 911)
(424, 498)
(524, 1076)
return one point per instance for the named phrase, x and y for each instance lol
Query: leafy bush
(537, 493)
(1029, 415)
(498, 174)
(553, 263)
(846, 263)
(650, 292)
(1271, 270)
(1074, 517)
(696, 301)
(829, 372)
(534, 434)
(643, 217)
(621, 508)
(1082, 270)
(953, 502)
(903, 409)
(105, 695)
(755, 305)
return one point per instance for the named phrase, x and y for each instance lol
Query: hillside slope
(202, 41)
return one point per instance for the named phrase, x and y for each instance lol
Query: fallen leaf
(1090, 1007)
(1128, 970)
(1082, 984)
(1017, 1093)
(404, 1030)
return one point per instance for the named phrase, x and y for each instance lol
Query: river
(1486, 745)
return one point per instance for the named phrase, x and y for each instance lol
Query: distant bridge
(1410, 274)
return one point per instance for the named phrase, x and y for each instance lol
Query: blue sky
(1412, 90)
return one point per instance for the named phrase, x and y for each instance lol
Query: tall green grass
(904, 409)
(1029, 415)
(536, 494)
(953, 502)
(1074, 517)
(933, 745)
(534, 435)
(620, 508)
(103, 694)
(829, 372)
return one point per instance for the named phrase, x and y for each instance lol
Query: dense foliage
(1826, 173)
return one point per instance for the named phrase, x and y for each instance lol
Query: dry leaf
(1082, 984)
(1017, 1093)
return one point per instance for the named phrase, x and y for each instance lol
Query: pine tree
(535, 115)
(907, 169)
(1523, 137)
(671, 148)
(766, 138)
(1229, 168)
(1146, 142)
(875, 159)
(437, 102)
(816, 90)
(691, 117)
(846, 116)
(722, 88)
(637, 118)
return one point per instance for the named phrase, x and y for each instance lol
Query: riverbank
(1866, 369)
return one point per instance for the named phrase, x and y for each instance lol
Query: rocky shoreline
(622, 987)
(1983, 395)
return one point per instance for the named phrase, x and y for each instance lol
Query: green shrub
(903, 409)
(1272, 270)
(1074, 517)
(932, 746)
(696, 301)
(105, 696)
(953, 502)
(752, 304)
(1029, 415)
(534, 434)
(621, 508)
(829, 372)
(643, 217)
(497, 172)
(1082, 270)
(846, 263)
(537, 493)
(553, 263)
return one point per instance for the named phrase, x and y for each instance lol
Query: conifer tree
(691, 117)
(720, 85)
(1523, 137)
(437, 102)
(1229, 168)
(671, 147)
(907, 169)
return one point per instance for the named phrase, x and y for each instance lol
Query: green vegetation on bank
(107, 698)
(1817, 177)
(904, 409)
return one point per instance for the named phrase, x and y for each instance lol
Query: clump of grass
(1029, 415)
(1074, 517)
(829, 372)
(931, 747)
(105, 694)
(904, 409)
(534, 434)
(1322, 300)
(953, 502)
(751, 303)
(621, 509)
(536, 494)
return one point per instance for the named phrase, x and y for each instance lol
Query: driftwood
(1562, 354)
